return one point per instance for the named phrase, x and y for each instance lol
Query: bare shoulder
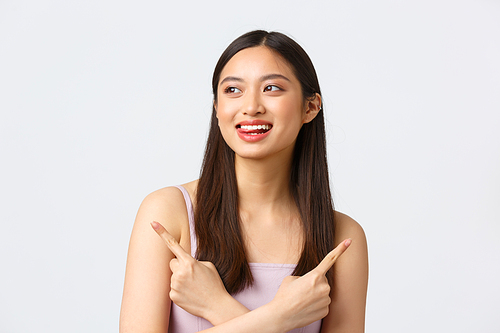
(165, 206)
(168, 207)
(166, 198)
(355, 259)
(346, 227)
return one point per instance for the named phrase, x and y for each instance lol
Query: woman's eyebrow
(274, 76)
(231, 78)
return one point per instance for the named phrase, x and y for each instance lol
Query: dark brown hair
(217, 215)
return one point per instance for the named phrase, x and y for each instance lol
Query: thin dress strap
(189, 207)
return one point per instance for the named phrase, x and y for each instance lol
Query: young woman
(259, 221)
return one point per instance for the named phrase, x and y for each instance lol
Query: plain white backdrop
(105, 101)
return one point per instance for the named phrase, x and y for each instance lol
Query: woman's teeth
(255, 127)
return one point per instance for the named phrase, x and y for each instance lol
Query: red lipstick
(253, 130)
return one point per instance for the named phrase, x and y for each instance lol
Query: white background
(105, 101)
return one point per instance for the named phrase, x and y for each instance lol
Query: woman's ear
(215, 108)
(313, 106)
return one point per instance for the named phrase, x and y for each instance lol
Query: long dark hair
(216, 214)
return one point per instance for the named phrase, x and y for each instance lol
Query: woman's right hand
(196, 285)
(303, 300)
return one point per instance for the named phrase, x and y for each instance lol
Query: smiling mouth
(253, 129)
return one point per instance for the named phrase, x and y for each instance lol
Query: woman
(261, 222)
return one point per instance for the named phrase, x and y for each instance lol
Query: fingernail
(155, 225)
(347, 242)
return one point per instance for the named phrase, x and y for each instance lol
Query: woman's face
(260, 106)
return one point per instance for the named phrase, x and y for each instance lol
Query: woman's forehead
(256, 62)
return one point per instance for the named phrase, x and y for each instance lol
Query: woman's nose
(253, 104)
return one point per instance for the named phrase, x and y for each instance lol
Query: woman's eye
(271, 88)
(232, 90)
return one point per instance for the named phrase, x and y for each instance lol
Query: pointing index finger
(171, 242)
(327, 262)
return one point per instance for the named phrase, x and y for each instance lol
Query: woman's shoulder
(167, 206)
(347, 227)
(169, 198)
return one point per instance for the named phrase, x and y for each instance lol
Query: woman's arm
(146, 295)
(146, 303)
(348, 294)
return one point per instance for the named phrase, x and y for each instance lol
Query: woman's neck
(263, 185)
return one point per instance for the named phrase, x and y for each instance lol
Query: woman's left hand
(196, 285)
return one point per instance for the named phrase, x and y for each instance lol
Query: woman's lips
(253, 132)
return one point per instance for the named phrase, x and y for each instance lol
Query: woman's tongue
(258, 131)
(253, 130)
